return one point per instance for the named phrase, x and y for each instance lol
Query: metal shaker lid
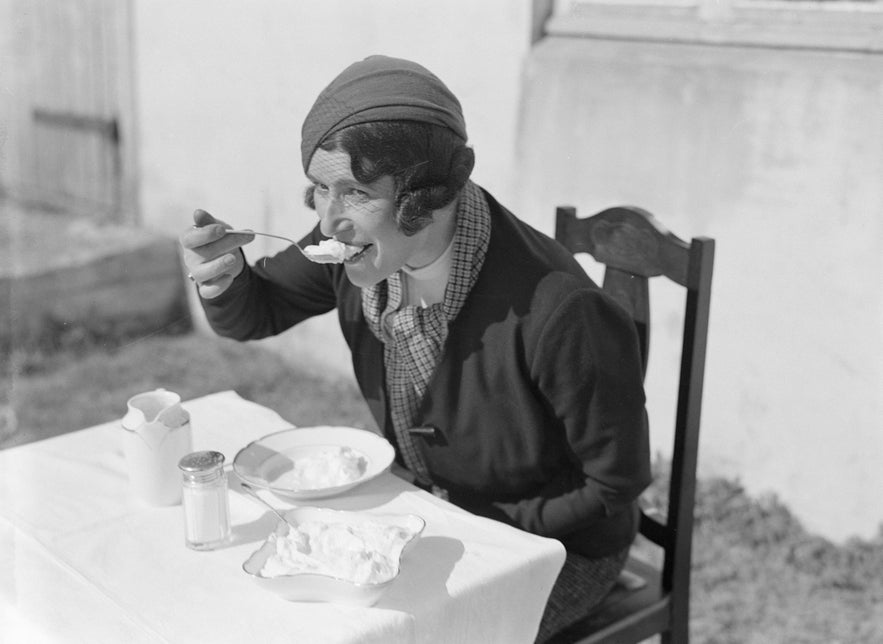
(201, 462)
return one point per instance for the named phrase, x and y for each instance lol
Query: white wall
(778, 155)
(223, 88)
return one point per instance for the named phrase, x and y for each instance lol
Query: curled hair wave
(429, 165)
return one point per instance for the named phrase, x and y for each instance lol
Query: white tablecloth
(81, 561)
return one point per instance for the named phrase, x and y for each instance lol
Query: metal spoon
(318, 257)
(253, 232)
(254, 493)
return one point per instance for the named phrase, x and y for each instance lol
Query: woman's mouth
(355, 253)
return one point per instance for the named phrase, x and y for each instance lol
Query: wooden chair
(633, 247)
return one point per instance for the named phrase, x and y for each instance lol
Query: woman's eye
(355, 196)
(321, 189)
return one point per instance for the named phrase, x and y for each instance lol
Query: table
(82, 561)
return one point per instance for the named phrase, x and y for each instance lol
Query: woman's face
(361, 215)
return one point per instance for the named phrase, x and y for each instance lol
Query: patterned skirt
(580, 586)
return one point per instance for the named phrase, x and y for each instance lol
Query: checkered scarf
(414, 337)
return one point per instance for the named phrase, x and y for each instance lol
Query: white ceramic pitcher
(157, 435)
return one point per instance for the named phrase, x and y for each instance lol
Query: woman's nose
(331, 217)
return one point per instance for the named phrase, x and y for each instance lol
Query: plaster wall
(778, 155)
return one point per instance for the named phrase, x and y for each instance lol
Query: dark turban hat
(380, 88)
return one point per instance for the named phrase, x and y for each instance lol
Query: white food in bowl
(366, 553)
(346, 548)
(325, 468)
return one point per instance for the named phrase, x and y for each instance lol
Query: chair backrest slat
(633, 294)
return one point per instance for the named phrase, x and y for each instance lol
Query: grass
(84, 380)
(758, 576)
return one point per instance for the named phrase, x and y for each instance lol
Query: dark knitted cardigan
(537, 403)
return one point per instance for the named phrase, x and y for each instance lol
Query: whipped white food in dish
(363, 553)
(327, 467)
(331, 251)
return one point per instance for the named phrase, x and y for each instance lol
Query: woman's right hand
(212, 257)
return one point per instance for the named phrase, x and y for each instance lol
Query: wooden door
(78, 155)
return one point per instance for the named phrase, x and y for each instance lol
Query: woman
(504, 377)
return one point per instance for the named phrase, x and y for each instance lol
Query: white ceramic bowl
(266, 462)
(316, 587)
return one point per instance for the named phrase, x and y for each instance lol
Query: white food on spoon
(331, 251)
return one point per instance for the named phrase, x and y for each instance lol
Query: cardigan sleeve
(586, 364)
(273, 294)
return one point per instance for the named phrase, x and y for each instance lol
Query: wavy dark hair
(428, 163)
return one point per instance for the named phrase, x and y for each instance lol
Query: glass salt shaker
(204, 497)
